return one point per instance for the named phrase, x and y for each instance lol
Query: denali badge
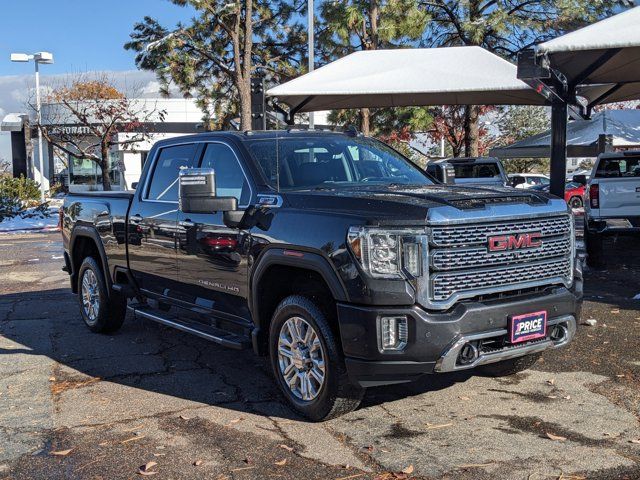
(501, 243)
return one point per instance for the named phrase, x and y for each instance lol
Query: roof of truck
(258, 134)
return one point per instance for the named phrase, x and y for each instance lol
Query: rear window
(618, 167)
(478, 170)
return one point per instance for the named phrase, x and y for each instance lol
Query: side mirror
(134, 185)
(197, 187)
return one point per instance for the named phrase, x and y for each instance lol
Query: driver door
(211, 257)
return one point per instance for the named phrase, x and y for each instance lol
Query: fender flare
(300, 258)
(88, 232)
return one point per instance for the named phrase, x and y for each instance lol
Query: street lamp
(38, 58)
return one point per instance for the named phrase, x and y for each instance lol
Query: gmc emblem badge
(501, 243)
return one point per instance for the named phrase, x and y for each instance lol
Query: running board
(208, 333)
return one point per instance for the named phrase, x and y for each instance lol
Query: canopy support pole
(559, 111)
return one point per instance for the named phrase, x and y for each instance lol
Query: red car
(573, 193)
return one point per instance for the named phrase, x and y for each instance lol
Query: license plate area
(529, 326)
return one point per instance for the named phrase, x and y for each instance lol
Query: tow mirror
(197, 187)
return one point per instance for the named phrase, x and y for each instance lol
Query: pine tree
(504, 27)
(353, 25)
(214, 56)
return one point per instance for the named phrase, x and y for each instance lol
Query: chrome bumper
(448, 362)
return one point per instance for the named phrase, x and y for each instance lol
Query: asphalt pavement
(152, 401)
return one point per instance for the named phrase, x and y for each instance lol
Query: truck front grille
(461, 265)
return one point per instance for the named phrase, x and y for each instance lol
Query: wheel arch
(316, 269)
(84, 242)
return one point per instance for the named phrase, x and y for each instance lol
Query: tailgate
(619, 196)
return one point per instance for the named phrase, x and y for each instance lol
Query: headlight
(387, 253)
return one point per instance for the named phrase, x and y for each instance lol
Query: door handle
(136, 218)
(186, 223)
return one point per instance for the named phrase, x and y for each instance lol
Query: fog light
(393, 333)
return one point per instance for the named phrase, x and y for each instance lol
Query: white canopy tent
(596, 64)
(622, 127)
(408, 77)
(601, 60)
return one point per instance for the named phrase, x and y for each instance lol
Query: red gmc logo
(515, 242)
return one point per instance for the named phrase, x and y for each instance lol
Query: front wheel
(510, 367)
(307, 361)
(101, 312)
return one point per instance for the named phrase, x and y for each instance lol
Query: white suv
(612, 203)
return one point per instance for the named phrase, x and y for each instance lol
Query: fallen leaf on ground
(62, 453)
(433, 426)
(286, 447)
(551, 381)
(615, 310)
(557, 438)
(234, 421)
(241, 468)
(197, 463)
(52, 379)
(183, 417)
(464, 398)
(146, 469)
(352, 476)
(137, 437)
(281, 463)
(408, 470)
(474, 465)
(634, 440)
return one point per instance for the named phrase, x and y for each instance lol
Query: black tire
(337, 395)
(594, 246)
(111, 309)
(509, 367)
(576, 202)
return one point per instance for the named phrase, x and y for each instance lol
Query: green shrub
(17, 194)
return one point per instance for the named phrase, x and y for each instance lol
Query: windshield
(332, 162)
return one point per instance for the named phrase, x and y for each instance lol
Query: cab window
(230, 179)
(164, 178)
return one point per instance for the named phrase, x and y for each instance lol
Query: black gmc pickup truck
(331, 253)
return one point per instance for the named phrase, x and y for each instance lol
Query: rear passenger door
(212, 258)
(153, 221)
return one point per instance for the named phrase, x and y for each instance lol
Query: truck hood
(402, 204)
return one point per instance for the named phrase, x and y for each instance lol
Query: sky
(83, 35)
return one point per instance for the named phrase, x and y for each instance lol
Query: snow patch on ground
(24, 223)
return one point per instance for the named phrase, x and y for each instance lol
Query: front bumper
(436, 339)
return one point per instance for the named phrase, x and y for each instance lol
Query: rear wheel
(101, 312)
(307, 362)
(510, 367)
(576, 202)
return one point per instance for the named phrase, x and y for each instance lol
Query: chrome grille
(458, 235)
(461, 265)
(454, 258)
(446, 284)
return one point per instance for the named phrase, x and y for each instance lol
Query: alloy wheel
(90, 295)
(301, 358)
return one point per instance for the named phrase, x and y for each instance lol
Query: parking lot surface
(150, 400)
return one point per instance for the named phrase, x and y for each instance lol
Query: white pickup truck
(612, 200)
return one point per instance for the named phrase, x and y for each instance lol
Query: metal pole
(310, 22)
(558, 148)
(39, 118)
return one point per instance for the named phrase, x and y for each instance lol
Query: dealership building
(167, 118)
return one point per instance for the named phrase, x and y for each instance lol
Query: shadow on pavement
(158, 359)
